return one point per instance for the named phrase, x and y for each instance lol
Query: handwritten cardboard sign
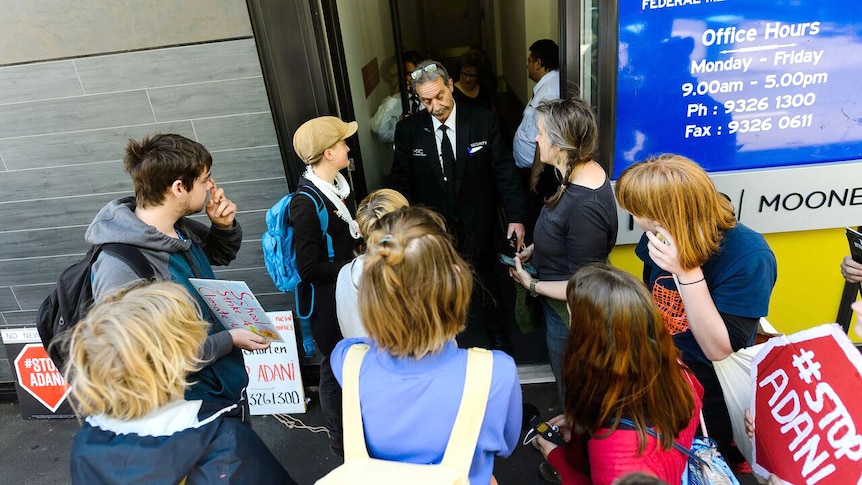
(807, 411)
(274, 381)
(236, 306)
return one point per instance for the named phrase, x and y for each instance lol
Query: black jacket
(485, 176)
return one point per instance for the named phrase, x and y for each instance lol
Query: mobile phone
(545, 430)
(529, 268)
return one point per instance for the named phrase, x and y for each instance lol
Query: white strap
(471, 413)
(687, 372)
(468, 423)
(354, 432)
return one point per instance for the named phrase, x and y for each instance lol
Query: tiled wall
(63, 126)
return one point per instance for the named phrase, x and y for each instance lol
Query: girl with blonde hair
(710, 275)
(128, 367)
(374, 206)
(621, 364)
(413, 299)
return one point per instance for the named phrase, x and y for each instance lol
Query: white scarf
(335, 193)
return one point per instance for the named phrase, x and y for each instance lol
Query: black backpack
(73, 294)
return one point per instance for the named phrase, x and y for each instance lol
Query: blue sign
(739, 84)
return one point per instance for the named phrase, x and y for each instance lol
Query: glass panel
(589, 50)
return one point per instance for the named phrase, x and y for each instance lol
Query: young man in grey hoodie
(172, 180)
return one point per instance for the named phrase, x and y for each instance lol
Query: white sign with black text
(274, 380)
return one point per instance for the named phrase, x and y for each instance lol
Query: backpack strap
(132, 256)
(682, 449)
(468, 422)
(471, 413)
(354, 432)
(320, 205)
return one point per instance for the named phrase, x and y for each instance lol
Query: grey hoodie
(117, 223)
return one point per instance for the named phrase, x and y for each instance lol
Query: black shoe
(549, 474)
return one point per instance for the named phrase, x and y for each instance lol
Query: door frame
(305, 74)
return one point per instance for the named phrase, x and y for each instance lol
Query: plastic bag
(734, 374)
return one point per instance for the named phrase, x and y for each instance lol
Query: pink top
(617, 455)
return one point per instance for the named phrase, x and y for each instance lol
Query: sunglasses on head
(418, 72)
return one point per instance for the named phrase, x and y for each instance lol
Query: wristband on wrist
(702, 278)
(533, 283)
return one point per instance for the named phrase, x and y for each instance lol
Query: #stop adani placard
(807, 407)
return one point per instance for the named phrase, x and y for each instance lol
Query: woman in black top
(578, 224)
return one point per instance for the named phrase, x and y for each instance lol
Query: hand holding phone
(545, 430)
(529, 268)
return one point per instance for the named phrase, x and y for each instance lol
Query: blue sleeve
(514, 419)
(746, 290)
(336, 358)
(507, 389)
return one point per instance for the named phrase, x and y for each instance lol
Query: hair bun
(390, 249)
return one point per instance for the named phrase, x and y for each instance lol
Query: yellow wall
(809, 283)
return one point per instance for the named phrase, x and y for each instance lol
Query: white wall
(542, 22)
(513, 47)
(366, 31)
(520, 24)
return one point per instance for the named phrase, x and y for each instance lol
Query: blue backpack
(279, 251)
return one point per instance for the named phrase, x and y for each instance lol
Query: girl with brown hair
(620, 363)
(710, 275)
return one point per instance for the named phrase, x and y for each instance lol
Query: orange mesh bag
(670, 305)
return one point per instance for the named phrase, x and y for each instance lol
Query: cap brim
(351, 129)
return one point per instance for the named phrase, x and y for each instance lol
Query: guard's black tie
(448, 156)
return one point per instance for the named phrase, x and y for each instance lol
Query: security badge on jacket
(471, 150)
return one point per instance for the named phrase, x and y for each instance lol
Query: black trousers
(326, 333)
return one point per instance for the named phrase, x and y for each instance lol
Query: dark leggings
(324, 328)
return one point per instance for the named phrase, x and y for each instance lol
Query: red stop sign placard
(38, 375)
(807, 411)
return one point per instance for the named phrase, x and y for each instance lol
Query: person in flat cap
(321, 145)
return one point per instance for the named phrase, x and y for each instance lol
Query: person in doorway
(451, 159)
(468, 89)
(172, 179)
(413, 299)
(320, 144)
(391, 109)
(578, 225)
(538, 183)
(624, 376)
(710, 275)
(543, 68)
(130, 362)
